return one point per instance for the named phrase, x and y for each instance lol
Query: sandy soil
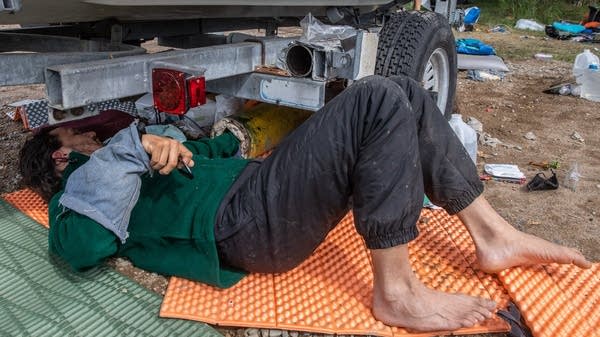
(508, 109)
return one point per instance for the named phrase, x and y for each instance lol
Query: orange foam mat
(30, 204)
(464, 243)
(557, 300)
(331, 291)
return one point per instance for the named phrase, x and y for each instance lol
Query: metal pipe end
(299, 60)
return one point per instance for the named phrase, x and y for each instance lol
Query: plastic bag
(527, 24)
(473, 47)
(472, 15)
(317, 33)
(568, 27)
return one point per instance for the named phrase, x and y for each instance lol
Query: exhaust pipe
(299, 60)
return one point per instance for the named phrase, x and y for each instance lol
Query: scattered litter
(587, 31)
(530, 136)
(505, 172)
(543, 57)
(576, 136)
(485, 75)
(527, 24)
(481, 62)
(476, 125)
(467, 19)
(554, 33)
(499, 29)
(572, 177)
(540, 182)
(472, 15)
(487, 140)
(564, 89)
(483, 155)
(466, 135)
(555, 164)
(473, 47)
(568, 27)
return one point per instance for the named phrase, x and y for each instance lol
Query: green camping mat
(41, 296)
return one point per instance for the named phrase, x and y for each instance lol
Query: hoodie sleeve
(107, 187)
(223, 146)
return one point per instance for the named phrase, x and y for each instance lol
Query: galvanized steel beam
(302, 93)
(24, 57)
(75, 85)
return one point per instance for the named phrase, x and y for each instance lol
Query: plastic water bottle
(572, 177)
(466, 134)
(582, 64)
(590, 83)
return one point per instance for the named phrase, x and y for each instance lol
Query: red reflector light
(197, 91)
(168, 91)
(175, 92)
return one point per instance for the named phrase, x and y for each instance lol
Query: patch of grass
(529, 43)
(523, 45)
(507, 12)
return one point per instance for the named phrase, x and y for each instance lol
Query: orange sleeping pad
(30, 204)
(330, 292)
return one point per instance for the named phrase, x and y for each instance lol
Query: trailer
(88, 51)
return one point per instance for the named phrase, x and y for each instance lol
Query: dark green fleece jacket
(171, 230)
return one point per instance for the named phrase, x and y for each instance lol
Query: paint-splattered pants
(375, 149)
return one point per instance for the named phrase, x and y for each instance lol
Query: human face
(73, 140)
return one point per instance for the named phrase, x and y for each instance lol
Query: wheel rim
(436, 77)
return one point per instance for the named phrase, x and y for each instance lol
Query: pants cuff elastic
(399, 238)
(456, 205)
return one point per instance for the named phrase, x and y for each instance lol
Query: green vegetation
(528, 43)
(507, 12)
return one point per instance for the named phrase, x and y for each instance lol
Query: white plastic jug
(466, 134)
(582, 64)
(590, 85)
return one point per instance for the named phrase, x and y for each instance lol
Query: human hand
(165, 153)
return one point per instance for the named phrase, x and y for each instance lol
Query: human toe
(579, 260)
(478, 317)
(468, 322)
(489, 305)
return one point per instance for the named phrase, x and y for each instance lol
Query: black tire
(406, 45)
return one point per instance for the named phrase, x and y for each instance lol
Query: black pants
(374, 148)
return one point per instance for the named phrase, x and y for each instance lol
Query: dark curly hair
(36, 165)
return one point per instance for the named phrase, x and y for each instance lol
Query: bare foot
(516, 248)
(423, 309)
(400, 299)
(500, 246)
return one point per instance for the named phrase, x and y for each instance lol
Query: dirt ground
(508, 109)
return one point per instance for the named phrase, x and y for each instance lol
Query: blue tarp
(473, 47)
